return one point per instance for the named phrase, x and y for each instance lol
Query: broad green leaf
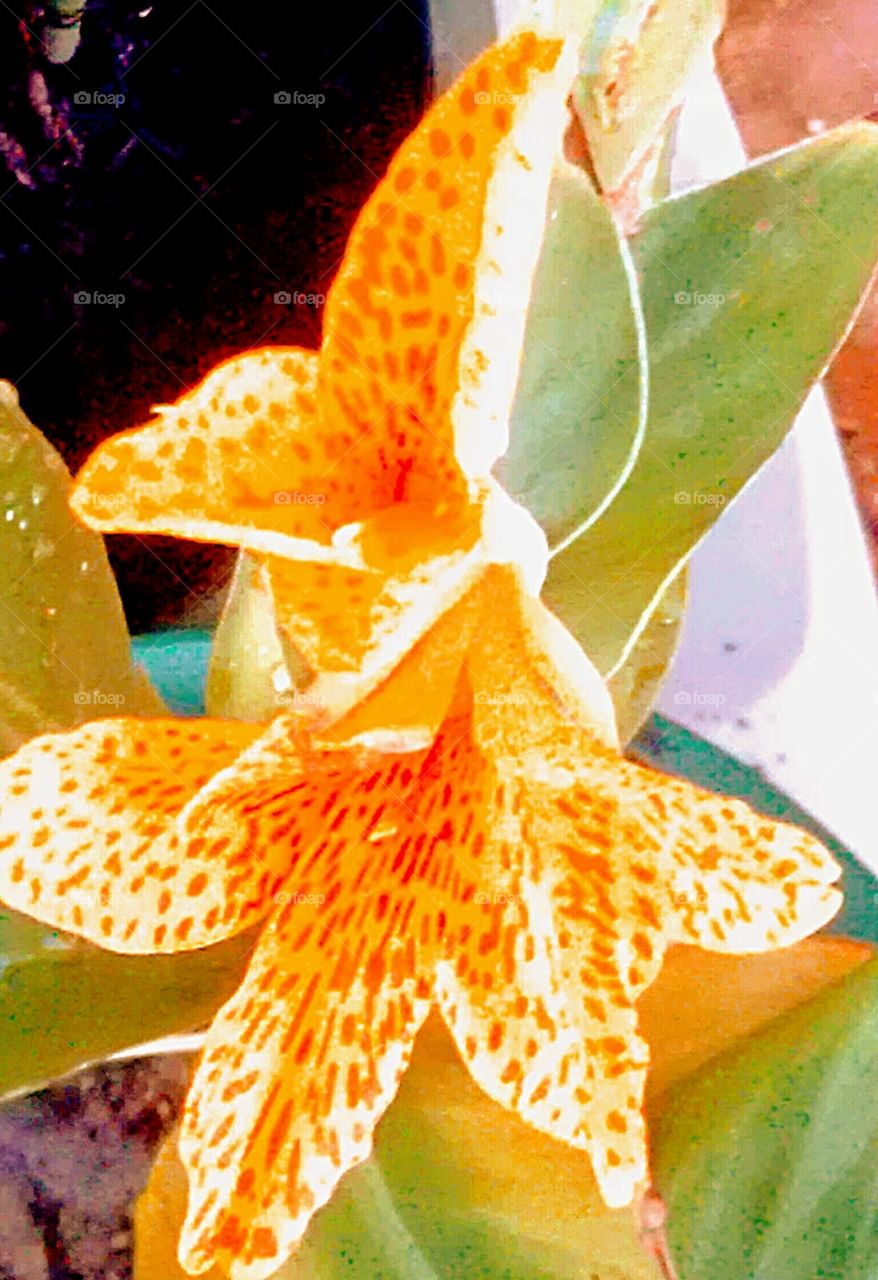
(64, 1003)
(64, 646)
(747, 286)
(249, 677)
(457, 1187)
(636, 685)
(768, 1157)
(635, 65)
(580, 406)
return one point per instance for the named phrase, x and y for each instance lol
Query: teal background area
(176, 662)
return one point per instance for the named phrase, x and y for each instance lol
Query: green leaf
(637, 60)
(580, 406)
(768, 1157)
(64, 647)
(64, 1003)
(249, 677)
(635, 686)
(748, 287)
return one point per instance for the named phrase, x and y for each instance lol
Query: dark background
(197, 198)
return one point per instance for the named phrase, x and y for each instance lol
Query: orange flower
(360, 475)
(518, 873)
(464, 832)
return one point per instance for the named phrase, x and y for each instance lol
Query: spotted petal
(718, 875)
(109, 832)
(606, 863)
(240, 459)
(437, 276)
(266, 452)
(301, 1063)
(535, 999)
(354, 625)
(297, 1069)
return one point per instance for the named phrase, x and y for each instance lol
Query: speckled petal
(303, 1060)
(437, 276)
(535, 999)
(723, 877)
(98, 834)
(297, 1069)
(241, 459)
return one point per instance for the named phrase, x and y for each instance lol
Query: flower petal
(354, 626)
(535, 1000)
(240, 459)
(529, 676)
(297, 1069)
(725, 878)
(436, 279)
(311, 1049)
(405, 711)
(94, 837)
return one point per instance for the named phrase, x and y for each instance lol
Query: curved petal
(529, 676)
(723, 877)
(311, 1049)
(354, 626)
(297, 1070)
(536, 1001)
(240, 459)
(426, 315)
(95, 836)
(405, 710)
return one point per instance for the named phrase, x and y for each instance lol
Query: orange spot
(263, 1243)
(197, 885)
(404, 180)
(440, 143)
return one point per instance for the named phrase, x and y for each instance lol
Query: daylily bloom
(461, 830)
